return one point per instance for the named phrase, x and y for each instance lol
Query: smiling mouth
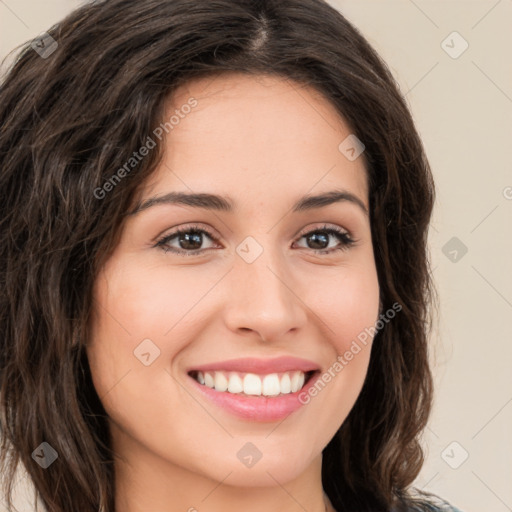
(252, 384)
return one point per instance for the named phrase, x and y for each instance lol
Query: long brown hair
(69, 120)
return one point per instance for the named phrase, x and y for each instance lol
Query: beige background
(463, 109)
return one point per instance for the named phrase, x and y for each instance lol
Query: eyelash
(346, 240)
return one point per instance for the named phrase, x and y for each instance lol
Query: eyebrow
(225, 204)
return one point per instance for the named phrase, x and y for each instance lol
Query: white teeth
(221, 383)
(286, 384)
(235, 383)
(297, 381)
(252, 384)
(208, 380)
(272, 384)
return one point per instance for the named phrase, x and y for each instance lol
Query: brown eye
(189, 241)
(318, 240)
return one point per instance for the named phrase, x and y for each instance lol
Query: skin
(264, 142)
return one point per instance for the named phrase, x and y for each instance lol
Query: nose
(264, 297)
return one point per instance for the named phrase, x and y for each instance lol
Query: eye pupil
(322, 236)
(190, 238)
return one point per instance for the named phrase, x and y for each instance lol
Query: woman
(215, 284)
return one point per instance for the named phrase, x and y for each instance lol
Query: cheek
(142, 302)
(142, 314)
(350, 307)
(350, 310)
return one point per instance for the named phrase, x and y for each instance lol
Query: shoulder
(437, 505)
(446, 507)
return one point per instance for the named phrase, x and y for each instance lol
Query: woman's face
(248, 284)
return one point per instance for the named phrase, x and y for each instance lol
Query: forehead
(246, 135)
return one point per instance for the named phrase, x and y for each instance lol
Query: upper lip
(259, 365)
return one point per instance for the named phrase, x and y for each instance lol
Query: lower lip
(257, 408)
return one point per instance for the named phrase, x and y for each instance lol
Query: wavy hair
(66, 121)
